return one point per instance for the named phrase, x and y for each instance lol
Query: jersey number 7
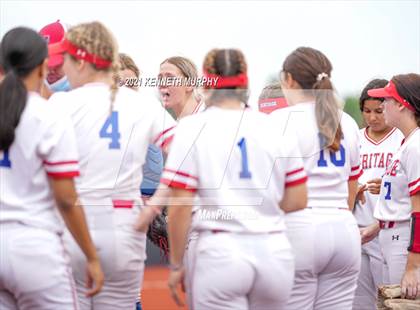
(110, 130)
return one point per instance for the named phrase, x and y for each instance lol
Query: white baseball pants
(326, 244)
(35, 273)
(242, 271)
(394, 243)
(371, 276)
(122, 252)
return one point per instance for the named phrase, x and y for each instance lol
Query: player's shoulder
(413, 143)
(69, 99)
(348, 122)
(41, 109)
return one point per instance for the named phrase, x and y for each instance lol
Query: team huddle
(289, 207)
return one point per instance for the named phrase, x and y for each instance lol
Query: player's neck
(378, 135)
(99, 77)
(300, 96)
(407, 127)
(229, 104)
(186, 109)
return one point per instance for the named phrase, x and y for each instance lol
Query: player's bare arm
(179, 220)
(353, 189)
(410, 283)
(295, 198)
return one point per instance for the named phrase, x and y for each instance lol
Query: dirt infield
(155, 294)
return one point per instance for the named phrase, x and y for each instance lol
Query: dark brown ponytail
(21, 51)
(312, 70)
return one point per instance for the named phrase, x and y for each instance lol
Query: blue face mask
(62, 84)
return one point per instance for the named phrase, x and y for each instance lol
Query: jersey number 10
(110, 130)
(322, 162)
(5, 162)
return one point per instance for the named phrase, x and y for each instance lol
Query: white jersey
(374, 157)
(44, 146)
(400, 182)
(238, 167)
(113, 146)
(328, 172)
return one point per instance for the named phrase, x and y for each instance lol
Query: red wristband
(415, 233)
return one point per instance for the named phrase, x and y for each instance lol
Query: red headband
(66, 46)
(390, 91)
(240, 80)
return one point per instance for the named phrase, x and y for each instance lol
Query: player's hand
(374, 186)
(95, 277)
(146, 216)
(410, 283)
(176, 278)
(361, 194)
(369, 233)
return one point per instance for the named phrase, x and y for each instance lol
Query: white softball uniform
(112, 147)
(34, 269)
(192, 237)
(375, 156)
(393, 209)
(239, 169)
(325, 237)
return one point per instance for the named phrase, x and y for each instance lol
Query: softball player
(183, 99)
(325, 237)
(399, 199)
(245, 180)
(271, 98)
(114, 127)
(378, 144)
(38, 161)
(56, 79)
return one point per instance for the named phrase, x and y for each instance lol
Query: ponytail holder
(321, 76)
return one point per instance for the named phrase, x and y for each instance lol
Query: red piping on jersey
(178, 185)
(355, 168)
(162, 133)
(406, 138)
(414, 182)
(181, 173)
(67, 174)
(296, 182)
(294, 172)
(56, 163)
(166, 141)
(356, 176)
(415, 191)
(380, 141)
